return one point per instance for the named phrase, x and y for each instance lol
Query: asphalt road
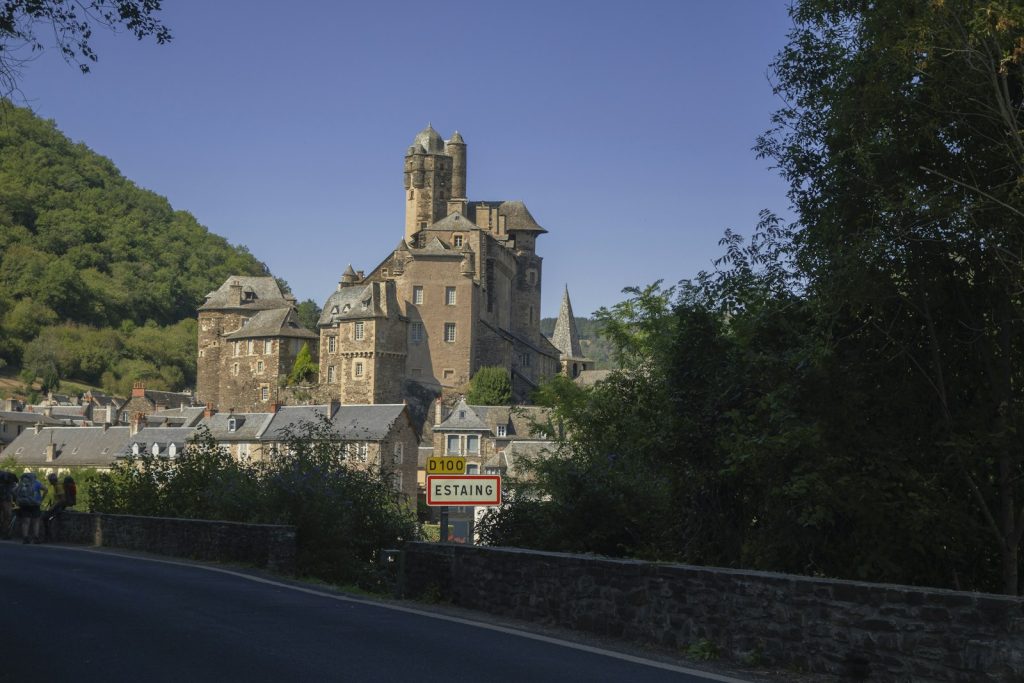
(73, 614)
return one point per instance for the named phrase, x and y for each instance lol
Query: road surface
(76, 614)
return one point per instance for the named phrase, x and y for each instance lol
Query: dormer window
(462, 414)
(135, 449)
(501, 430)
(232, 424)
(457, 240)
(172, 450)
(334, 310)
(156, 449)
(348, 307)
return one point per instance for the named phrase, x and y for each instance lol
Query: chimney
(236, 292)
(38, 427)
(106, 426)
(439, 411)
(109, 420)
(138, 420)
(274, 405)
(210, 411)
(139, 390)
(51, 451)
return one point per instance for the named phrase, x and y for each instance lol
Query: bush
(343, 514)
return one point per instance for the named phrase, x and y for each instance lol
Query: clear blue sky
(626, 127)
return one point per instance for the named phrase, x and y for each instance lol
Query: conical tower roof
(566, 337)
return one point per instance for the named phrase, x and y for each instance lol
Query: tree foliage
(304, 370)
(30, 26)
(99, 279)
(344, 514)
(490, 386)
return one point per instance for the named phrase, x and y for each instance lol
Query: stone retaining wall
(858, 630)
(262, 545)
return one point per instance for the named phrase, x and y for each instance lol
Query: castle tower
(428, 181)
(456, 149)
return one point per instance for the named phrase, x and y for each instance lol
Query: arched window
(156, 449)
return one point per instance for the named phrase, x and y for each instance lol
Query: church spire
(566, 337)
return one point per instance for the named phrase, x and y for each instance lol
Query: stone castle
(460, 291)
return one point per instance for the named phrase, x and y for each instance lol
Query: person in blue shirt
(29, 496)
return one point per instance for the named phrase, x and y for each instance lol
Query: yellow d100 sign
(446, 465)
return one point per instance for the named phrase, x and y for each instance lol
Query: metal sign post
(444, 524)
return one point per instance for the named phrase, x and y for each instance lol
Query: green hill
(99, 279)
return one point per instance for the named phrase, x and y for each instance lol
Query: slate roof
(76, 446)
(454, 221)
(26, 417)
(428, 140)
(353, 303)
(170, 399)
(182, 416)
(566, 337)
(366, 422)
(278, 322)
(258, 293)
(292, 416)
(164, 436)
(517, 450)
(463, 418)
(247, 425)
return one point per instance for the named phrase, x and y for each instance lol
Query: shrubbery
(343, 514)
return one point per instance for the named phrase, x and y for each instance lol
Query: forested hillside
(594, 346)
(99, 279)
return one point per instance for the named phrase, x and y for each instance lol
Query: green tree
(309, 314)
(902, 144)
(490, 386)
(304, 370)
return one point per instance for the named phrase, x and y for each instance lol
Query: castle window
(417, 294)
(200, 353)
(264, 393)
(453, 445)
(449, 332)
(457, 240)
(416, 332)
(259, 366)
(238, 347)
(472, 443)
(330, 374)
(331, 344)
(357, 368)
(449, 296)
(396, 480)
(398, 453)
(234, 369)
(252, 347)
(269, 346)
(357, 332)
(448, 373)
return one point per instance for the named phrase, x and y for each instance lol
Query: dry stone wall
(862, 631)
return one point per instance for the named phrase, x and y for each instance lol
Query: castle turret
(456, 149)
(566, 339)
(428, 181)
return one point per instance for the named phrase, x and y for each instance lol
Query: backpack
(25, 493)
(70, 491)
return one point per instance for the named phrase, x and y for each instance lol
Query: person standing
(29, 496)
(60, 502)
(8, 480)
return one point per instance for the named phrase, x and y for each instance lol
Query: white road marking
(423, 613)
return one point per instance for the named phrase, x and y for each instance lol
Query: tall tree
(902, 144)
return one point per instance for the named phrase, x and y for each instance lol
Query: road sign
(446, 465)
(471, 489)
